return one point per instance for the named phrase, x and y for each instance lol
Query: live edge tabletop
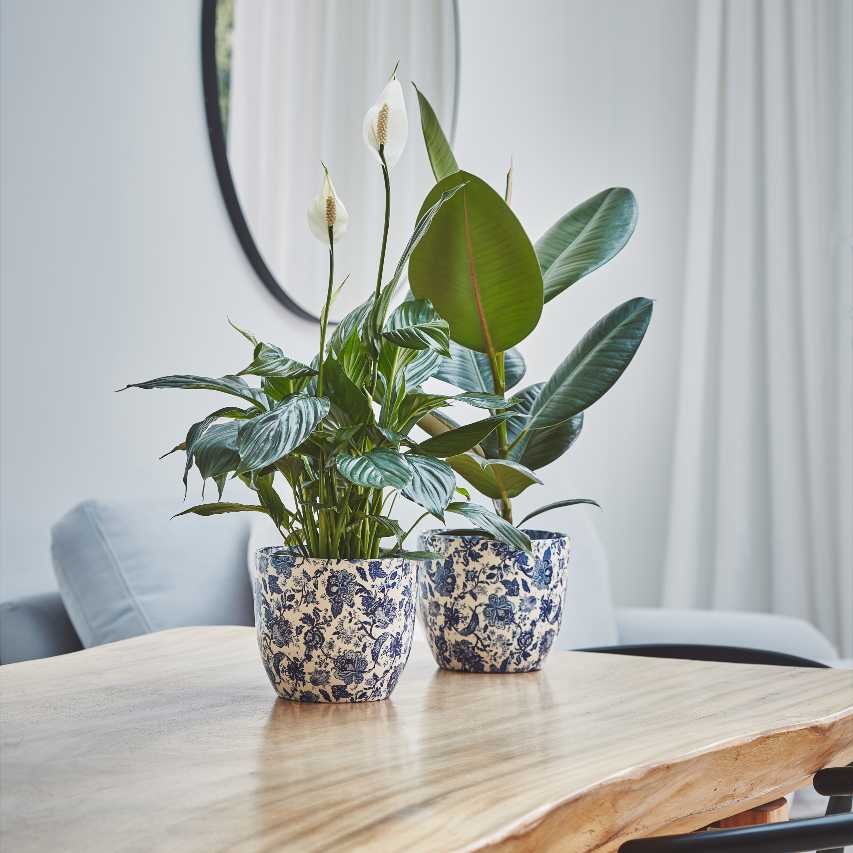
(176, 741)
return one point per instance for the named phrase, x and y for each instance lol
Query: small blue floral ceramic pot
(333, 630)
(488, 607)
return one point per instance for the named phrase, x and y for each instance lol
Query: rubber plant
(489, 282)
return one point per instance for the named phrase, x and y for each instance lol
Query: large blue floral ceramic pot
(333, 630)
(488, 607)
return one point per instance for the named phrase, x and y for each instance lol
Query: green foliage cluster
(327, 447)
(483, 275)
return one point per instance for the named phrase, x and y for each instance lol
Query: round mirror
(286, 85)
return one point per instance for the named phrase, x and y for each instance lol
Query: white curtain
(303, 75)
(762, 494)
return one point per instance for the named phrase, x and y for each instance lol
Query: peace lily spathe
(327, 210)
(386, 124)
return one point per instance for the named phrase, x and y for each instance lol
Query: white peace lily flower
(327, 210)
(386, 123)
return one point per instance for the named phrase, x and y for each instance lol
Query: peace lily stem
(387, 180)
(324, 317)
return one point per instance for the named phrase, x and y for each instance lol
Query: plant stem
(496, 362)
(375, 313)
(324, 317)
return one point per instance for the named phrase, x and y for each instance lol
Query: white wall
(119, 263)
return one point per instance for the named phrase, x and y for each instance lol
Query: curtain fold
(761, 512)
(303, 75)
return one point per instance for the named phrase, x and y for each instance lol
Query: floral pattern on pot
(488, 607)
(333, 630)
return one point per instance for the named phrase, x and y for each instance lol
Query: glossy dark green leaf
(266, 438)
(495, 478)
(412, 555)
(557, 505)
(422, 367)
(492, 523)
(470, 370)
(416, 325)
(462, 438)
(593, 366)
(197, 430)
(270, 499)
(378, 469)
(541, 446)
(585, 238)
(233, 385)
(215, 451)
(432, 485)
(478, 268)
(483, 401)
(271, 361)
(220, 508)
(351, 405)
(414, 406)
(441, 158)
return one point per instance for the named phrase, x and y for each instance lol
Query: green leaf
(412, 555)
(432, 485)
(416, 325)
(376, 470)
(270, 499)
(351, 405)
(196, 431)
(414, 406)
(266, 438)
(215, 451)
(233, 385)
(271, 361)
(470, 370)
(556, 505)
(247, 335)
(422, 367)
(478, 268)
(352, 322)
(495, 478)
(441, 158)
(493, 524)
(219, 508)
(353, 358)
(541, 446)
(593, 366)
(483, 401)
(585, 238)
(387, 526)
(462, 438)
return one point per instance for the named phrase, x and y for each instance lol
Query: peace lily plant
(326, 449)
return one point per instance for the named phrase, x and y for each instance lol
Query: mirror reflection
(294, 81)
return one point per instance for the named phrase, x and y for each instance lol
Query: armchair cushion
(35, 626)
(724, 628)
(127, 569)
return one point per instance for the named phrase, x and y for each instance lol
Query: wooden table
(175, 741)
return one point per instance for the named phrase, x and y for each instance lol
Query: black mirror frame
(218, 148)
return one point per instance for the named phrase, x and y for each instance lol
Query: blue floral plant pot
(488, 607)
(333, 630)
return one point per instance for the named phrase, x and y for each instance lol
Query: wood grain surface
(175, 741)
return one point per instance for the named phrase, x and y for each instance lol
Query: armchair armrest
(730, 628)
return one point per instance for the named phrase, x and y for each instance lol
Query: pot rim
(330, 561)
(534, 534)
